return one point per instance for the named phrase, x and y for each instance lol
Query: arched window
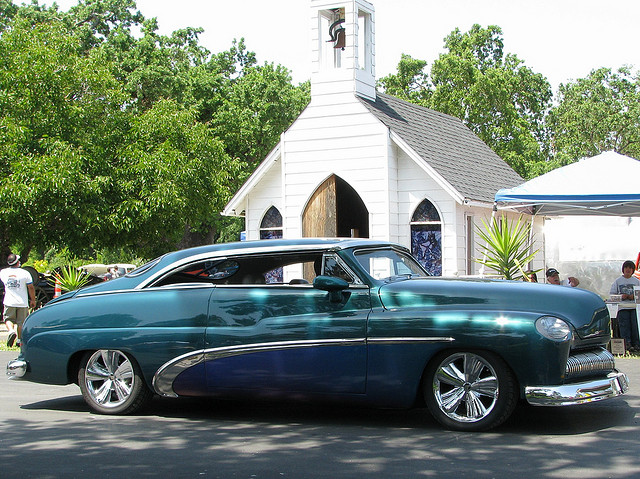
(271, 224)
(271, 228)
(426, 237)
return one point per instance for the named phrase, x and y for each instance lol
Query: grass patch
(3, 347)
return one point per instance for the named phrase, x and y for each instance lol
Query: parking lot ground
(48, 432)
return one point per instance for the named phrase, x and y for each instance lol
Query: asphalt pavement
(48, 432)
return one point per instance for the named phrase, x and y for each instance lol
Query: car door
(287, 337)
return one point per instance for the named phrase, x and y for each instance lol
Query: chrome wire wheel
(470, 391)
(466, 387)
(111, 383)
(109, 378)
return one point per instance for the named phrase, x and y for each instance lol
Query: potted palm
(506, 246)
(70, 278)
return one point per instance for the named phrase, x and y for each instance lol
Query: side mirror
(333, 285)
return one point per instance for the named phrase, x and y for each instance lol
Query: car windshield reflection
(389, 265)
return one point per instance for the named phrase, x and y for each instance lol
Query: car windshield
(389, 264)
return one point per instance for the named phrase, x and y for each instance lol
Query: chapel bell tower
(343, 48)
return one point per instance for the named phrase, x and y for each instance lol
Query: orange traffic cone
(57, 290)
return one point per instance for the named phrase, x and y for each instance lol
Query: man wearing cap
(553, 277)
(19, 295)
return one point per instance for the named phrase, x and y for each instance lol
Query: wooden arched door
(335, 210)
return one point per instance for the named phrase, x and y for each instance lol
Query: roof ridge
(446, 144)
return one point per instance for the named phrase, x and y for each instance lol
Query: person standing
(627, 317)
(19, 296)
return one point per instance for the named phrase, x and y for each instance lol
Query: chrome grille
(589, 363)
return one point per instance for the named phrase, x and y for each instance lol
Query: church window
(426, 237)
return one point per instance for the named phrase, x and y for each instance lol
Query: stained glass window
(426, 237)
(425, 212)
(271, 228)
(271, 224)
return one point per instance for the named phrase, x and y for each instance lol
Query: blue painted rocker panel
(302, 368)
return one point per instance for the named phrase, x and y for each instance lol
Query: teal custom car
(321, 319)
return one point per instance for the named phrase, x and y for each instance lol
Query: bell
(341, 38)
(337, 34)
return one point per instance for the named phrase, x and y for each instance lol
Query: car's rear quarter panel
(153, 325)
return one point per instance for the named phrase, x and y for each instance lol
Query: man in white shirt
(19, 296)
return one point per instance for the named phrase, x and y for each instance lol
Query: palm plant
(505, 246)
(71, 278)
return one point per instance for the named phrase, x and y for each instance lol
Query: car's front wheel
(111, 382)
(470, 390)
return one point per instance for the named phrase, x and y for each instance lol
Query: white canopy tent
(591, 248)
(606, 184)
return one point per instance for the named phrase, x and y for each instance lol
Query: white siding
(414, 186)
(341, 139)
(268, 193)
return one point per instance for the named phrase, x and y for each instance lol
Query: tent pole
(533, 217)
(484, 255)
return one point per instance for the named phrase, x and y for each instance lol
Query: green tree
(258, 107)
(503, 101)
(410, 83)
(598, 113)
(114, 139)
(58, 111)
(174, 179)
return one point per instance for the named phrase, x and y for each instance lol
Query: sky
(561, 39)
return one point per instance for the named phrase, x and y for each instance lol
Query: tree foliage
(110, 138)
(493, 93)
(598, 113)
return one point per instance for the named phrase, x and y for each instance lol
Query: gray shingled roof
(448, 146)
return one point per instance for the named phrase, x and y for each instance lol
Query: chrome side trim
(400, 340)
(163, 378)
(135, 290)
(168, 372)
(615, 384)
(16, 368)
(227, 351)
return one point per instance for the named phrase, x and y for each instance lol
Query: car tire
(111, 382)
(470, 390)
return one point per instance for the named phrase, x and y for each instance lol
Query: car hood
(585, 310)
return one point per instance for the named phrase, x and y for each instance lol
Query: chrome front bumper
(615, 384)
(16, 368)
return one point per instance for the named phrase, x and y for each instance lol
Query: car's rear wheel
(111, 382)
(470, 390)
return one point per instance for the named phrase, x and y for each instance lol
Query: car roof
(140, 277)
(273, 245)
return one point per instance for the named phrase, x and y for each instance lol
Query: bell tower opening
(343, 48)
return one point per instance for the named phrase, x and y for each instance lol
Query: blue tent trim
(602, 185)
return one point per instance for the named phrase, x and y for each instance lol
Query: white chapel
(360, 163)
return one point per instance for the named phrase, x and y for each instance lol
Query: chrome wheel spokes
(465, 387)
(109, 378)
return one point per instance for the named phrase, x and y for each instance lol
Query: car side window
(211, 271)
(332, 267)
(277, 269)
